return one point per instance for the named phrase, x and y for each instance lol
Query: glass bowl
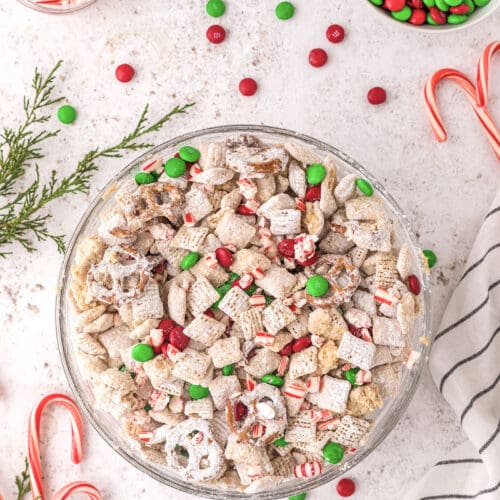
(56, 9)
(477, 16)
(109, 429)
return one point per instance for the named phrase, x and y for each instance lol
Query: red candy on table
(178, 338)
(248, 86)
(376, 95)
(223, 256)
(318, 58)
(216, 34)
(346, 487)
(414, 284)
(286, 247)
(313, 193)
(335, 33)
(124, 73)
(301, 344)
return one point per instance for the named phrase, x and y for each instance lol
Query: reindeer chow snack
(243, 310)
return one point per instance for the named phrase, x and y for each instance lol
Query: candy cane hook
(35, 468)
(465, 84)
(483, 71)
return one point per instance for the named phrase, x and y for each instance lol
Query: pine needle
(22, 219)
(23, 482)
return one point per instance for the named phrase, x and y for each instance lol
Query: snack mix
(243, 312)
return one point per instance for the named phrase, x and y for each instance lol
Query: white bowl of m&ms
(435, 15)
(56, 6)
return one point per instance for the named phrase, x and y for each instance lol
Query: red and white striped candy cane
(35, 467)
(308, 469)
(465, 84)
(483, 72)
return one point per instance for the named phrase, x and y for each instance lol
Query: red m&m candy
(248, 86)
(376, 95)
(124, 73)
(216, 34)
(346, 487)
(318, 58)
(335, 33)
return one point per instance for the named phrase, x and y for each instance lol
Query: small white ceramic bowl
(477, 16)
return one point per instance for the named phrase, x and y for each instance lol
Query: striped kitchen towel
(465, 365)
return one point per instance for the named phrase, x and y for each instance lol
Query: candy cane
(465, 84)
(483, 71)
(35, 467)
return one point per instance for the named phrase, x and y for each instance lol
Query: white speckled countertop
(444, 189)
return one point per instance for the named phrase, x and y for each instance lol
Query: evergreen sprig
(22, 219)
(23, 482)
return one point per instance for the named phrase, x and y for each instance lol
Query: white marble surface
(444, 189)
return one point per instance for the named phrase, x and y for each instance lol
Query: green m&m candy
(364, 186)
(481, 3)
(300, 496)
(402, 15)
(429, 3)
(66, 114)
(377, 2)
(333, 453)
(198, 391)
(190, 154)
(317, 285)
(431, 258)
(280, 442)
(315, 173)
(453, 3)
(273, 380)
(215, 8)
(350, 376)
(175, 167)
(144, 178)
(456, 18)
(284, 10)
(142, 352)
(471, 5)
(442, 5)
(228, 370)
(189, 260)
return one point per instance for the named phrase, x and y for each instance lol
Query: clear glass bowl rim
(199, 489)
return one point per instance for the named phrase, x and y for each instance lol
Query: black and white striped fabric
(465, 365)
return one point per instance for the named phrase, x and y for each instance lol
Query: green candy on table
(284, 10)
(280, 442)
(457, 18)
(273, 380)
(198, 391)
(142, 352)
(317, 285)
(144, 178)
(228, 370)
(189, 260)
(215, 8)
(333, 453)
(175, 167)
(402, 15)
(300, 496)
(364, 186)
(190, 154)
(431, 258)
(315, 173)
(350, 376)
(66, 114)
